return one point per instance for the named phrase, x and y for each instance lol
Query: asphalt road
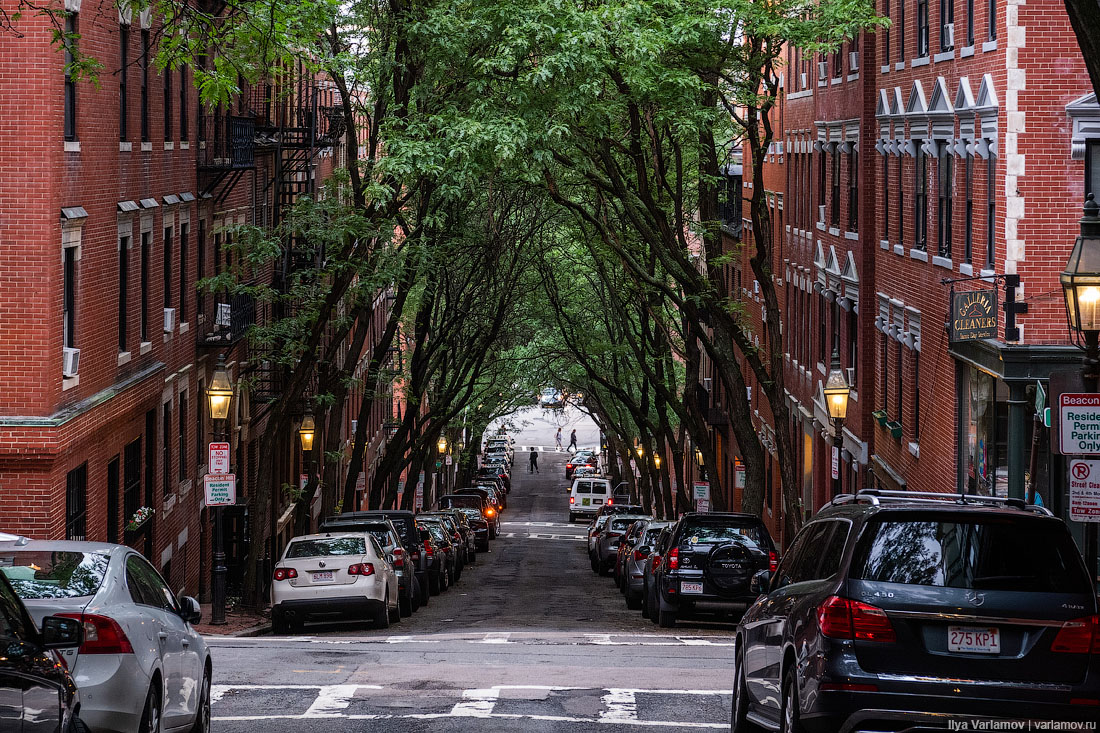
(528, 640)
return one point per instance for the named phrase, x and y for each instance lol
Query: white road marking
(534, 536)
(620, 707)
(332, 701)
(563, 639)
(496, 637)
(476, 703)
(543, 524)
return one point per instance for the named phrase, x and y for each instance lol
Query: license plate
(972, 639)
(597, 501)
(324, 576)
(686, 587)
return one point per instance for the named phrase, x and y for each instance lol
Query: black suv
(916, 610)
(710, 562)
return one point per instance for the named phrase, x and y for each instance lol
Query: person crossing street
(557, 439)
(573, 440)
(534, 465)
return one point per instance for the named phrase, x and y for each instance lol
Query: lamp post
(306, 431)
(219, 394)
(836, 400)
(657, 461)
(1081, 287)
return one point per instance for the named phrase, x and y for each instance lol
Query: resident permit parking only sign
(1079, 423)
(221, 489)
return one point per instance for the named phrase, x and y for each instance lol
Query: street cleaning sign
(1084, 490)
(1079, 423)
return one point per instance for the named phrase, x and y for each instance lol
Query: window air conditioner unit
(354, 427)
(850, 373)
(222, 315)
(822, 70)
(802, 78)
(948, 35)
(821, 213)
(853, 61)
(70, 361)
(169, 320)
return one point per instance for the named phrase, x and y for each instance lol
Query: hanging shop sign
(973, 315)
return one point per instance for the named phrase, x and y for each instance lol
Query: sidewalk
(237, 623)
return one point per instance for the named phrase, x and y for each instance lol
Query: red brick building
(957, 145)
(116, 200)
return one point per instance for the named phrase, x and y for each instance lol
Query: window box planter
(895, 429)
(879, 415)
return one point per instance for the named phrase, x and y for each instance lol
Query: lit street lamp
(836, 400)
(219, 394)
(1081, 286)
(442, 444)
(657, 461)
(306, 433)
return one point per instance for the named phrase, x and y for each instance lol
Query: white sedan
(141, 667)
(338, 574)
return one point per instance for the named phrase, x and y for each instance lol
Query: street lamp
(657, 461)
(219, 394)
(306, 432)
(640, 450)
(442, 444)
(1081, 286)
(836, 400)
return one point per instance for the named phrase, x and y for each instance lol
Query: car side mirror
(189, 610)
(644, 549)
(760, 581)
(59, 632)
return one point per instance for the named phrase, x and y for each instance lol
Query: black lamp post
(1081, 286)
(836, 400)
(219, 394)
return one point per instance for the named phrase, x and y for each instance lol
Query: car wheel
(645, 601)
(202, 716)
(423, 589)
(572, 517)
(789, 719)
(434, 583)
(595, 563)
(76, 725)
(150, 716)
(738, 721)
(382, 615)
(666, 617)
(395, 613)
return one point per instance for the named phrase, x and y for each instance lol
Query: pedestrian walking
(573, 439)
(534, 466)
(557, 439)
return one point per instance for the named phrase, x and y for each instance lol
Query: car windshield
(709, 533)
(43, 574)
(471, 513)
(327, 546)
(981, 554)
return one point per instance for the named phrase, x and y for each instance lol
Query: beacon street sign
(1079, 423)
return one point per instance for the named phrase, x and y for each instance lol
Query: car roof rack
(876, 497)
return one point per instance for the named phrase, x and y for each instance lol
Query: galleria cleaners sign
(1079, 422)
(973, 315)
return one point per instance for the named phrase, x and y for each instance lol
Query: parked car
(399, 557)
(445, 552)
(594, 530)
(32, 677)
(461, 538)
(435, 559)
(607, 548)
(490, 512)
(405, 523)
(494, 445)
(649, 574)
(480, 527)
(492, 473)
(140, 660)
(915, 610)
(583, 457)
(342, 575)
(633, 570)
(710, 562)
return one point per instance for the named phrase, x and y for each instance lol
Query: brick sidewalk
(237, 623)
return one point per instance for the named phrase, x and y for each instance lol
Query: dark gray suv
(898, 611)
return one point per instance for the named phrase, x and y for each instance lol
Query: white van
(587, 495)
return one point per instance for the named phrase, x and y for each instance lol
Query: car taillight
(428, 550)
(490, 512)
(674, 558)
(841, 618)
(639, 555)
(361, 568)
(656, 562)
(399, 558)
(285, 573)
(1079, 636)
(572, 500)
(102, 635)
(415, 556)
(568, 466)
(458, 537)
(773, 561)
